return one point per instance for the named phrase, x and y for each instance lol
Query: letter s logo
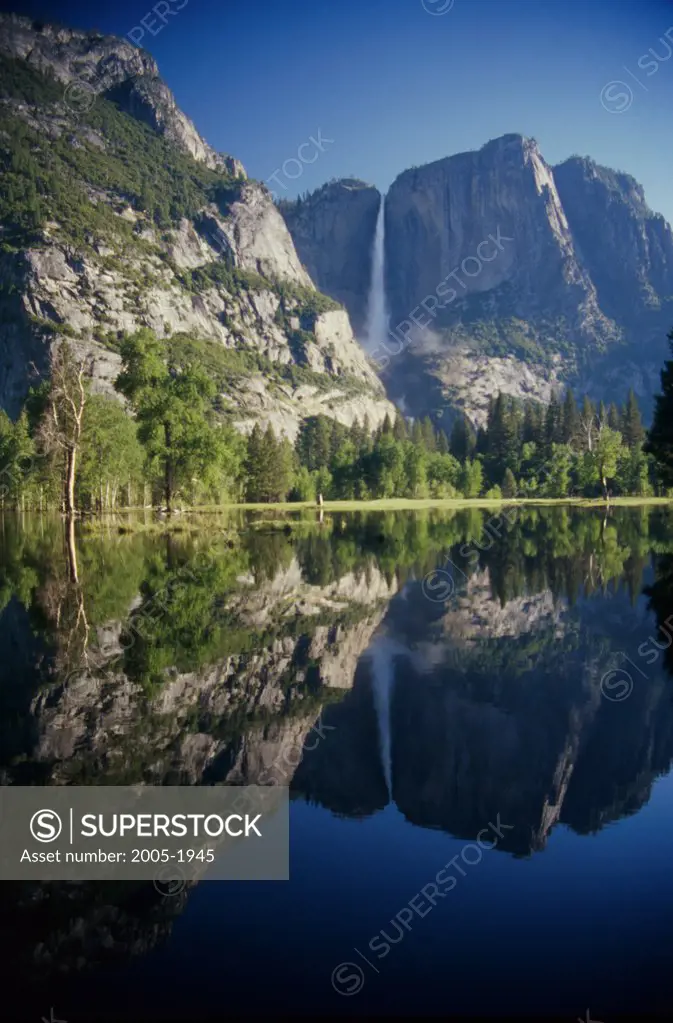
(45, 826)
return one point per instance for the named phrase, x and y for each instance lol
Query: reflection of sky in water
(441, 716)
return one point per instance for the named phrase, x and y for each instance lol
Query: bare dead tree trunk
(70, 471)
(61, 427)
(72, 551)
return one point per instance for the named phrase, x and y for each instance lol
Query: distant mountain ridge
(582, 294)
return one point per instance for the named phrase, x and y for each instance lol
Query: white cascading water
(383, 680)
(376, 328)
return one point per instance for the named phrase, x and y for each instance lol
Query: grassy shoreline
(382, 504)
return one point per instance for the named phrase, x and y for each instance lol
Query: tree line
(76, 450)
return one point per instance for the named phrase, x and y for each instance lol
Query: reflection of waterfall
(377, 315)
(383, 676)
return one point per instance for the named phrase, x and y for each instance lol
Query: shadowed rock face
(496, 713)
(609, 218)
(438, 215)
(333, 232)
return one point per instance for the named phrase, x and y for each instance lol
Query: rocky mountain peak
(139, 223)
(90, 64)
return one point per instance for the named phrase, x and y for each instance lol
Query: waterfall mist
(376, 327)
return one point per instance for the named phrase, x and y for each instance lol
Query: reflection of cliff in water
(263, 653)
(498, 710)
(254, 673)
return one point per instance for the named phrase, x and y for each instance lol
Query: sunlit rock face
(96, 291)
(502, 274)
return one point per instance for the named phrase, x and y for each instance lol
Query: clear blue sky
(395, 86)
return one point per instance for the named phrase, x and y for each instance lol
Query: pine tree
(631, 424)
(614, 418)
(602, 414)
(533, 429)
(269, 466)
(417, 437)
(553, 422)
(254, 466)
(660, 440)
(400, 432)
(386, 427)
(463, 438)
(509, 487)
(428, 431)
(571, 418)
(502, 434)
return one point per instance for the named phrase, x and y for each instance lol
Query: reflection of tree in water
(216, 647)
(661, 602)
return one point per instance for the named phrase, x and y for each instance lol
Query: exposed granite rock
(438, 215)
(181, 280)
(483, 238)
(333, 231)
(90, 64)
(607, 214)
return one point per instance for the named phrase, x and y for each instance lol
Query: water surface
(415, 678)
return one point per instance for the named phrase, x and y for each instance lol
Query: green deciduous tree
(173, 406)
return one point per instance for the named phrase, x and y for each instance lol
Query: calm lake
(474, 716)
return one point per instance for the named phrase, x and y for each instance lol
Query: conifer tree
(509, 487)
(614, 418)
(463, 438)
(660, 440)
(400, 432)
(631, 427)
(571, 418)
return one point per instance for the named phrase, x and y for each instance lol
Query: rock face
(505, 274)
(333, 231)
(89, 64)
(483, 240)
(608, 216)
(218, 266)
(499, 210)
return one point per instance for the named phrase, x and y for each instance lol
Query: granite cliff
(333, 230)
(504, 273)
(118, 215)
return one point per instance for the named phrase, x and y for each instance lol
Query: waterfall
(376, 327)
(383, 680)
